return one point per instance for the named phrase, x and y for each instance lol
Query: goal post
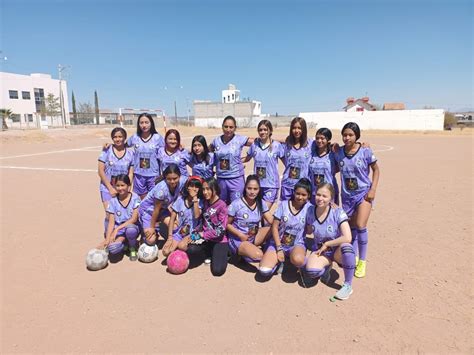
(159, 113)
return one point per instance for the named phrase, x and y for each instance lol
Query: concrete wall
(417, 120)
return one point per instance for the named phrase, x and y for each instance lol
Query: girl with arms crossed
(358, 190)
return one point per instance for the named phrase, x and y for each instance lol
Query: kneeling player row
(202, 225)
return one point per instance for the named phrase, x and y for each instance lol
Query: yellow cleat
(360, 269)
(357, 260)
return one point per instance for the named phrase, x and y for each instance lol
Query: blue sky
(292, 55)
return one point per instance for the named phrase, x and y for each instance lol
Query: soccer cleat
(357, 259)
(344, 292)
(133, 255)
(326, 277)
(360, 269)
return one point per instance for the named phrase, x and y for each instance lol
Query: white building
(210, 114)
(25, 96)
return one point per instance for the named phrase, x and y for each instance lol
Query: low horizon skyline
(293, 56)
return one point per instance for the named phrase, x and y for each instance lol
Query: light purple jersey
(327, 229)
(292, 226)
(114, 165)
(161, 193)
(215, 221)
(122, 213)
(355, 171)
(266, 162)
(246, 220)
(202, 168)
(227, 156)
(146, 162)
(296, 163)
(322, 169)
(185, 213)
(180, 158)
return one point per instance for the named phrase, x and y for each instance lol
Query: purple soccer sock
(314, 273)
(363, 239)
(131, 233)
(354, 241)
(348, 262)
(106, 224)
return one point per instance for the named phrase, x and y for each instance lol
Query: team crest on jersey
(341, 163)
(303, 220)
(181, 213)
(246, 215)
(306, 155)
(238, 194)
(176, 159)
(111, 162)
(288, 154)
(160, 194)
(119, 213)
(359, 163)
(312, 161)
(285, 219)
(268, 193)
(330, 229)
(137, 145)
(217, 148)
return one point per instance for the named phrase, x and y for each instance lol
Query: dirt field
(417, 296)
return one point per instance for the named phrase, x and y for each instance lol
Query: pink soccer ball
(178, 262)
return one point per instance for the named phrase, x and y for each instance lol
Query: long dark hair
(170, 169)
(205, 154)
(152, 124)
(193, 181)
(269, 126)
(290, 140)
(214, 186)
(259, 198)
(176, 134)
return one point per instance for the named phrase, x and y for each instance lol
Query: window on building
(28, 117)
(224, 99)
(232, 96)
(25, 95)
(228, 98)
(15, 117)
(359, 109)
(13, 94)
(39, 99)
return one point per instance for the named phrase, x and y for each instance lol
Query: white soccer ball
(147, 253)
(97, 259)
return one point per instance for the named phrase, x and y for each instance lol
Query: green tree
(450, 120)
(96, 107)
(5, 113)
(74, 110)
(52, 107)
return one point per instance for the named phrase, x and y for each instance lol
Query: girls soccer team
(209, 217)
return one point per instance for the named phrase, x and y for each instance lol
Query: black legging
(217, 251)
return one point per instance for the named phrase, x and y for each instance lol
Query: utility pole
(61, 97)
(175, 112)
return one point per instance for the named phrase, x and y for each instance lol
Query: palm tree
(5, 113)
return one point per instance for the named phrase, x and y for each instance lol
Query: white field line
(386, 148)
(47, 169)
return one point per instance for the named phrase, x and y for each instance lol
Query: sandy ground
(417, 296)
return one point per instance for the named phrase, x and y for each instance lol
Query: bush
(449, 120)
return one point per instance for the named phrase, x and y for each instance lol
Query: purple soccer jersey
(145, 160)
(292, 226)
(322, 169)
(202, 168)
(227, 156)
(246, 219)
(328, 229)
(355, 170)
(185, 214)
(215, 221)
(266, 162)
(296, 163)
(180, 158)
(123, 213)
(114, 165)
(161, 193)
